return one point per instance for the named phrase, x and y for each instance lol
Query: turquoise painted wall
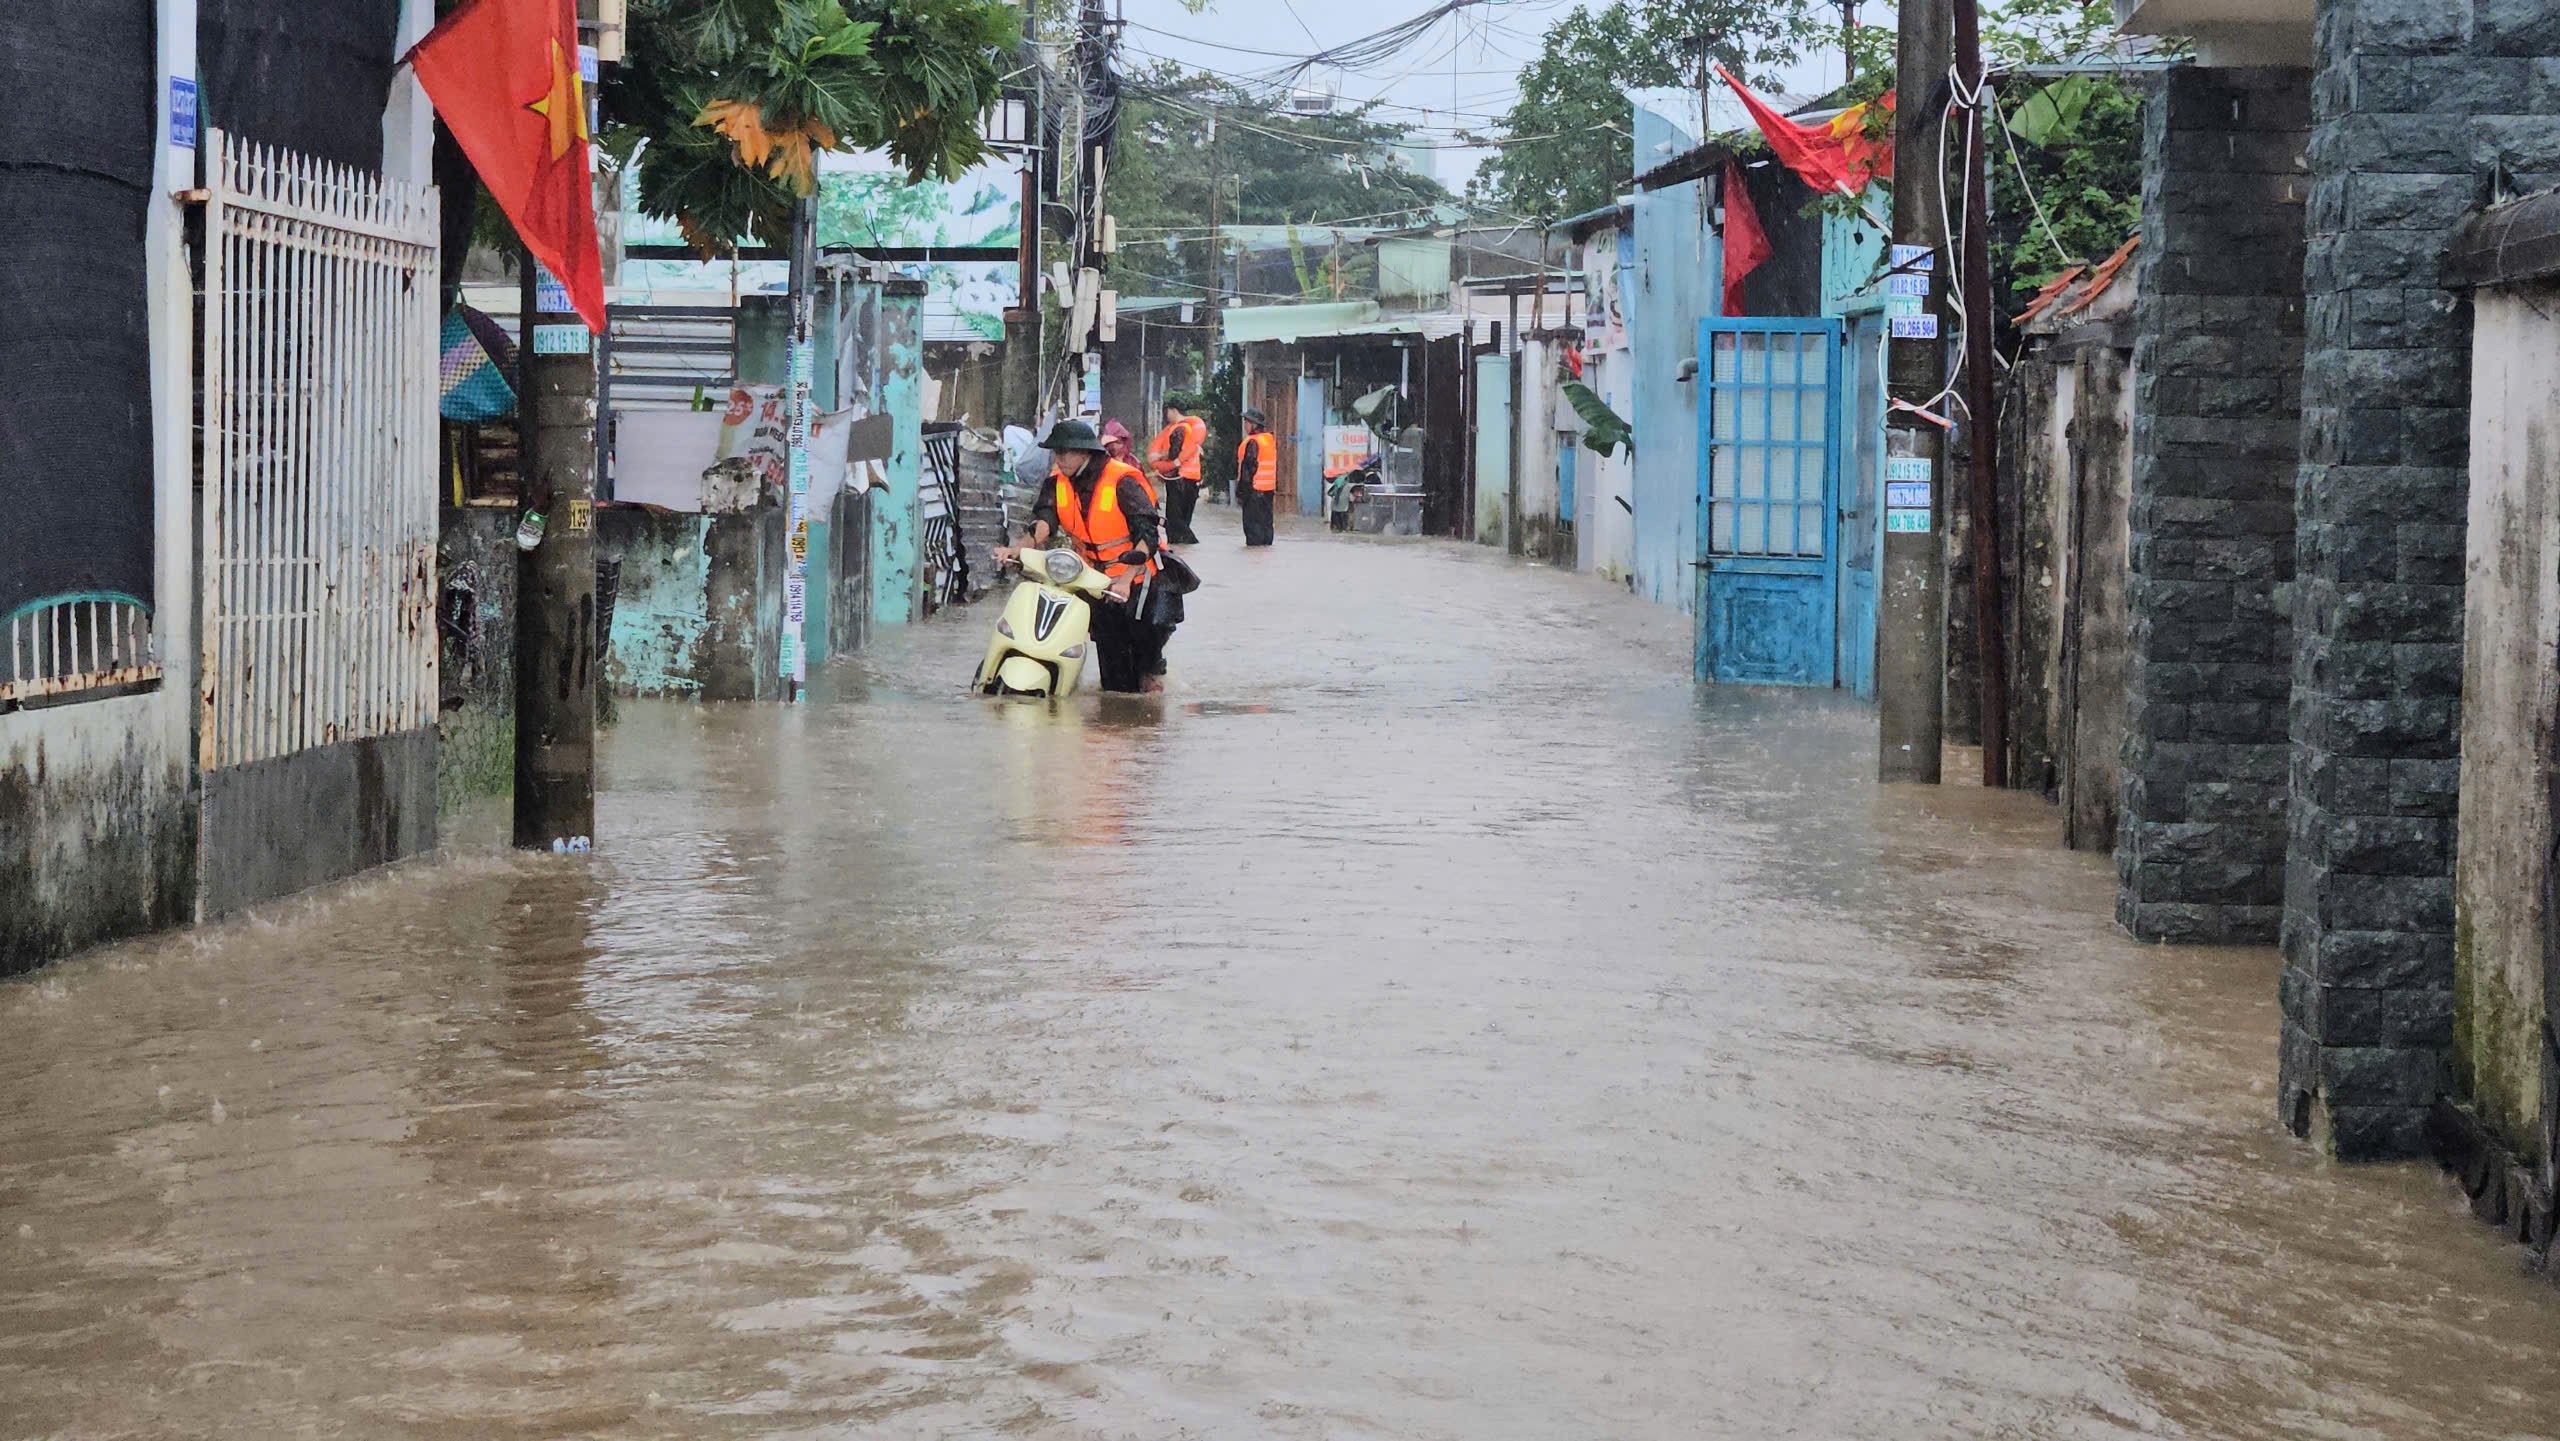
(662, 604)
(894, 523)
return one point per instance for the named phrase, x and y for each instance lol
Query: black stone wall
(2417, 104)
(2218, 361)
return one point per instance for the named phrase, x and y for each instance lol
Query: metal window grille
(319, 470)
(938, 505)
(60, 649)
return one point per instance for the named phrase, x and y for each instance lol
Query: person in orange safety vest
(1257, 476)
(1106, 509)
(1174, 456)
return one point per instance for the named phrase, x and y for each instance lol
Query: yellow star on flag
(565, 104)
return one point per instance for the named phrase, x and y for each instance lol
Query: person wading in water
(1174, 455)
(1257, 476)
(1105, 507)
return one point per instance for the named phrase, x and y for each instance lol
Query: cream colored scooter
(1046, 631)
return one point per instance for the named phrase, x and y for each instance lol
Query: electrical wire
(2029, 186)
(1313, 141)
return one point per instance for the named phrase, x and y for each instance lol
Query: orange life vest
(1100, 530)
(1176, 449)
(1195, 432)
(1263, 471)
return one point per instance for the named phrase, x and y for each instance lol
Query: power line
(1249, 82)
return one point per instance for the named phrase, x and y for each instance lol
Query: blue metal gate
(1768, 486)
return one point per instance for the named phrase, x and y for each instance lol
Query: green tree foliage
(726, 102)
(2087, 176)
(1568, 146)
(1269, 169)
(2077, 138)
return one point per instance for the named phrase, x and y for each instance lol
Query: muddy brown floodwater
(1438, 1020)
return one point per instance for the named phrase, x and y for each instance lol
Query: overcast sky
(1465, 73)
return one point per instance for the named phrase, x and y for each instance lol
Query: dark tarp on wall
(1790, 281)
(309, 75)
(78, 123)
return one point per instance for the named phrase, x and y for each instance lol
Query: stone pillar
(2417, 101)
(2200, 850)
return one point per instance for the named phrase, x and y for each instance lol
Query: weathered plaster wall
(896, 578)
(2416, 102)
(2035, 502)
(2218, 364)
(2510, 689)
(1491, 377)
(1534, 452)
(849, 577)
(476, 566)
(1604, 485)
(741, 653)
(97, 825)
(662, 604)
(699, 612)
(2090, 755)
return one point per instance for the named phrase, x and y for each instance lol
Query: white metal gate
(320, 378)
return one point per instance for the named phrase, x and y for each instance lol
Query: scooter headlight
(1063, 566)
(1004, 627)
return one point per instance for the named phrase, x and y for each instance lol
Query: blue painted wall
(1673, 283)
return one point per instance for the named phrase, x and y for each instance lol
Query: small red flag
(1746, 242)
(1837, 155)
(504, 75)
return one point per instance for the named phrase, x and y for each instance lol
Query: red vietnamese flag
(504, 75)
(1838, 155)
(1746, 241)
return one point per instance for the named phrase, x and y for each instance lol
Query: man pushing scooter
(1104, 506)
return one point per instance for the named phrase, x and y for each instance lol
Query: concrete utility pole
(799, 364)
(1982, 496)
(555, 802)
(1911, 651)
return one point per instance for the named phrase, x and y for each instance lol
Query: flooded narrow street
(1436, 1019)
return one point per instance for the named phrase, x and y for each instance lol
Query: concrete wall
(2095, 539)
(2035, 503)
(1534, 450)
(286, 824)
(98, 818)
(1494, 433)
(1604, 531)
(699, 610)
(848, 578)
(2067, 449)
(2217, 360)
(2510, 690)
(476, 570)
(2415, 101)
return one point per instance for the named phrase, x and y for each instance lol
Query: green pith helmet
(1072, 435)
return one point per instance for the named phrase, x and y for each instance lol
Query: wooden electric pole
(555, 800)
(1982, 425)
(1911, 634)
